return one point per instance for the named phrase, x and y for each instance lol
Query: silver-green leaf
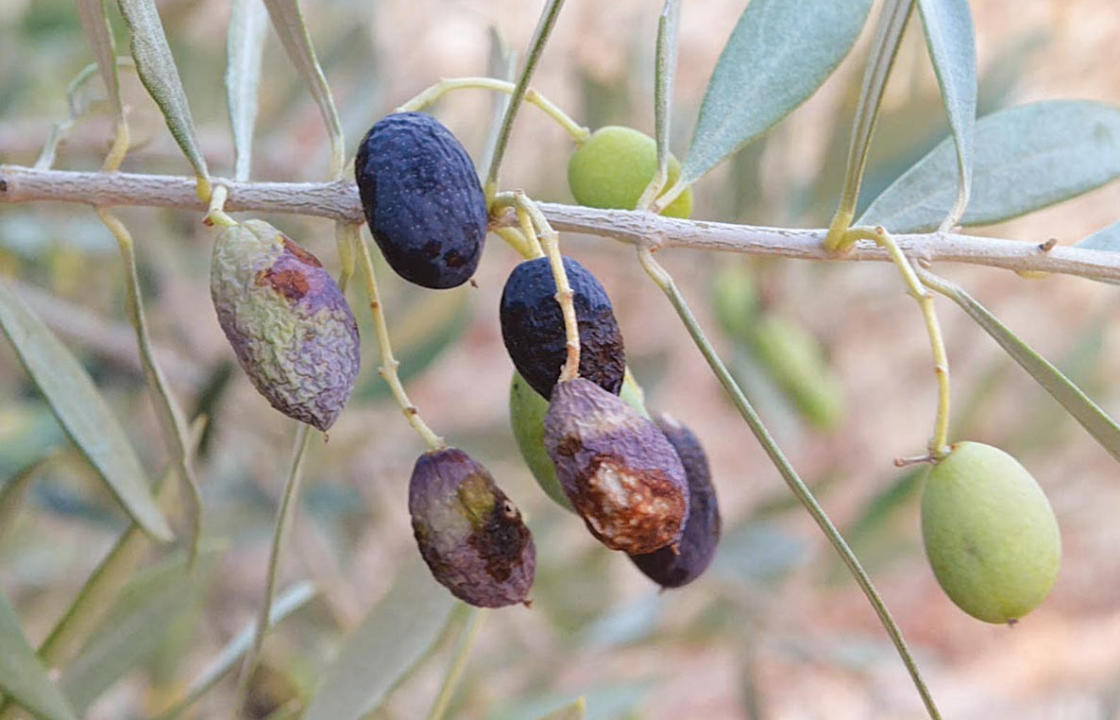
(96, 27)
(1027, 157)
(22, 675)
(1107, 238)
(779, 53)
(1102, 427)
(287, 20)
(82, 412)
(952, 48)
(160, 76)
(384, 649)
(244, 50)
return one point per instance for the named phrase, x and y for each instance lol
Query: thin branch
(338, 200)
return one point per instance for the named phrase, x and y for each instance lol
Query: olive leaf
(1102, 427)
(1027, 157)
(14, 492)
(664, 71)
(95, 25)
(22, 675)
(952, 48)
(133, 630)
(160, 76)
(285, 604)
(287, 20)
(384, 649)
(779, 53)
(82, 412)
(1107, 238)
(244, 50)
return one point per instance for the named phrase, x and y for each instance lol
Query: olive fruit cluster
(989, 533)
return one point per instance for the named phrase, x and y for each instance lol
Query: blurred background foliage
(834, 355)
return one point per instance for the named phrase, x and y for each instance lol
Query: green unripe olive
(794, 358)
(990, 533)
(526, 416)
(613, 167)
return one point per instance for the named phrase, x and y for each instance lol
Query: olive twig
(804, 495)
(516, 239)
(549, 242)
(389, 364)
(215, 212)
(458, 664)
(938, 444)
(429, 96)
(173, 424)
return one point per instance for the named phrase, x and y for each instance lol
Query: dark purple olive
(422, 199)
(698, 542)
(534, 334)
(470, 534)
(618, 470)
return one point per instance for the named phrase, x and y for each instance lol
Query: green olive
(526, 415)
(990, 533)
(794, 358)
(612, 168)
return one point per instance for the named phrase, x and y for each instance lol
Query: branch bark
(339, 200)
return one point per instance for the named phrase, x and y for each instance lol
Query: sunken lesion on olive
(617, 469)
(469, 532)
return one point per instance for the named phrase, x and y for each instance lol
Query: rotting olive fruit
(612, 168)
(469, 533)
(287, 320)
(526, 416)
(618, 470)
(702, 527)
(533, 327)
(990, 533)
(422, 199)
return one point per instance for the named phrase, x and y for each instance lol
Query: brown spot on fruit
(627, 508)
(292, 284)
(300, 254)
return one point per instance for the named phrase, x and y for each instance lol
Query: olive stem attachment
(459, 663)
(938, 444)
(284, 517)
(389, 364)
(172, 422)
(429, 96)
(549, 242)
(800, 490)
(215, 212)
(516, 239)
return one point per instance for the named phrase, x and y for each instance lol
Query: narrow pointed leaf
(1027, 157)
(100, 37)
(666, 69)
(1102, 427)
(22, 676)
(287, 20)
(160, 76)
(132, 631)
(779, 53)
(952, 48)
(14, 492)
(81, 411)
(285, 604)
(244, 50)
(1107, 238)
(384, 649)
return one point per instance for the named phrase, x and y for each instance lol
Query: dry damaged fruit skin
(526, 417)
(469, 533)
(612, 168)
(702, 528)
(422, 199)
(619, 472)
(287, 320)
(533, 327)
(990, 533)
